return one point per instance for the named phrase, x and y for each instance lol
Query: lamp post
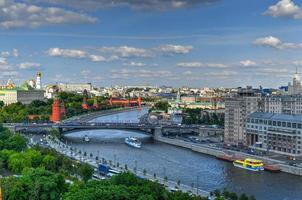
(197, 180)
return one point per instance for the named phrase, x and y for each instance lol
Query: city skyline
(193, 43)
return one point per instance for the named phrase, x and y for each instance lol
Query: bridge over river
(154, 129)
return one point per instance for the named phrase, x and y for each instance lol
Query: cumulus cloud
(127, 51)
(29, 65)
(247, 63)
(276, 43)
(135, 4)
(135, 64)
(78, 54)
(71, 53)
(187, 73)
(14, 52)
(174, 49)
(3, 61)
(201, 65)
(5, 54)
(97, 58)
(14, 14)
(285, 8)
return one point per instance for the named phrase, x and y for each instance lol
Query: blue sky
(198, 43)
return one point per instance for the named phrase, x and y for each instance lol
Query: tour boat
(249, 164)
(86, 138)
(133, 142)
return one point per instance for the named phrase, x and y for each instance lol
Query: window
(274, 123)
(283, 124)
(279, 123)
(289, 124)
(299, 126)
(269, 122)
(294, 125)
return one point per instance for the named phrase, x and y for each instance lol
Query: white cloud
(29, 65)
(174, 49)
(201, 65)
(285, 8)
(127, 51)
(97, 58)
(135, 64)
(15, 53)
(5, 53)
(72, 53)
(3, 61)
(85, 72)
(15, 14)
(247, 63)
(276, 43)
(187, 73)
(10, 73)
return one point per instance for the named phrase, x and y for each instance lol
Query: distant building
(24, 96)
(283, 104)
(295, 87)
(278, 133)
(237, 108)
(75, 87)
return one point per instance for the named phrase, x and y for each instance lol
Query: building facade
(285, 104)
(273, 132)
(21, 95)
(75, 87)
(237, 108)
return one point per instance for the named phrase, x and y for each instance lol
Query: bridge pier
(157, 132)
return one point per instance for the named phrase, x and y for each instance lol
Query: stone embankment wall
(212, 151)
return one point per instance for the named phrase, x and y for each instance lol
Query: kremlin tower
(38, 81)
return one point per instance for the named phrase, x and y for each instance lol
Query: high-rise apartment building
(237, 108)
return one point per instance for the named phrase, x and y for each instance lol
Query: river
(182, 164)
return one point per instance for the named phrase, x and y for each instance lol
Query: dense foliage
(125, 186)
(161, 105)
(198, 116)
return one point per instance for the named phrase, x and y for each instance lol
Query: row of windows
(275, 123)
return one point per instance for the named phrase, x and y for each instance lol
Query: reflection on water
(106, 135)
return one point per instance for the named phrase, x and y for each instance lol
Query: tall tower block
(38, 81)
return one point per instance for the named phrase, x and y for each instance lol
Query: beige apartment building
(237, 108)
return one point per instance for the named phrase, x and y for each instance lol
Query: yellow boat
(249, 164)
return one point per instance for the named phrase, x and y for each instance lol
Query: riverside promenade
(68, 151)
(216, 152)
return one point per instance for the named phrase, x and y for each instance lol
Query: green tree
(161, 105)
(85, 172)
(49, 162)
(18, 161)
(35, 184)
(34, 157)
